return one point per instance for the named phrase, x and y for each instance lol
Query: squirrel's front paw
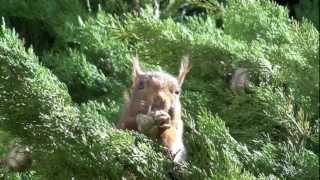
(163, 118)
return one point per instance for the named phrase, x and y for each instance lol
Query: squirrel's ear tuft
(184, 69)
(136, 70)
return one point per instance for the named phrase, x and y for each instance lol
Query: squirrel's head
(153, 91)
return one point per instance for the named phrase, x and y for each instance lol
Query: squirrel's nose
(159, 102)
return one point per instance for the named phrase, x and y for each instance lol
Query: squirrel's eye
(141, 85)
(177, 92)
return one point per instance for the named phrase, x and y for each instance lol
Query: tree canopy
(65, 64)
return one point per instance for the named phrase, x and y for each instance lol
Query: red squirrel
(19, 159)
(154, 107)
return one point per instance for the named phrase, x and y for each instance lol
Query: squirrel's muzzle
(161, 102)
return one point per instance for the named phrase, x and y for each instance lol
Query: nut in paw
(147, 125)
(163, 118)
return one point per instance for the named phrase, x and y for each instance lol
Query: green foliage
(64, 100)
(82, 78)
(40, 22)
(309, 10)
(59, 133)
(255, 20)
(286, 161)
(214, 142)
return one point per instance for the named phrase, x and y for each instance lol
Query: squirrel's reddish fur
(157, 94)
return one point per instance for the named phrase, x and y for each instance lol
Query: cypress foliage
(61, 88)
